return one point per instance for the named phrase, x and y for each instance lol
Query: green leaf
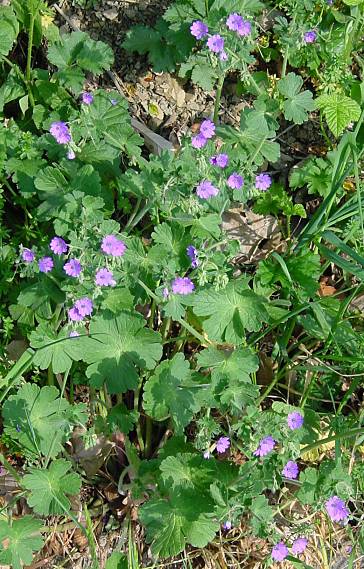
(12, 88)
(39, 421)
(122, 419)
(117, 347)
(254, 137)
(230, 374)
(276, 201)
(303, 270)
(117, 560)
(230, 312)
(50, 487)
(166, 393)
(9, 29)
(22, 538)
(170, 529)
(78, 48)
(55, 350)
(296, 104)
(339, 111)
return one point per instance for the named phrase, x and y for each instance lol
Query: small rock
(111, 14)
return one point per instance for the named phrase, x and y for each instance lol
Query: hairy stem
(219, 87)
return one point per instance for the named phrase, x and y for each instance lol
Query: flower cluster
(207, 131)
(280, 550)
(81, 308)
(215, 42)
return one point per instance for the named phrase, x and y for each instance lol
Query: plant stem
(219, 87)
(343, 435)
(50, 375)
(148, 436)
(284, 64)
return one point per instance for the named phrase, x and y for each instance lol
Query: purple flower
(215, 43)
(263, 181)
(222, 444)
(294, 420)
(266, 445)
(74, 314)
(73, 333)
(45, 264)
(72, 268)
(220, 160)
(113, 102)
(59, 130)
(223, 56)
(165, 292)
(112, 245)
(87, 98)
(227, 525)
(198, 141)
(236, 23)
(207, 128)
(192, 254)
(310, 36)
(28, 255)
(182, 285)
(199, 29)
(336, 509)
(299, 545)
(291, 470)
(18, 429)
(206, 190)
(58, 246)
(84, 306)
(280, 551)
(104, 277)
(235, 181)
(71, 155)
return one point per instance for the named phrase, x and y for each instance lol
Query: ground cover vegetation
(215, 394)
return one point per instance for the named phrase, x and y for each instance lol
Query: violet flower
(207, 128)
(310, 36)
(291, 470)
(104, 277)
(222, 444)
(58, 246)
(59, 130)
(263, 181)
(182, 285)
(87, 98)
(266, 445)
(294, 420)
(336, 509)
(206, 190)
(45, 264)
(27, 255)
(215, 43)
(236, 23)
(280, 552)
(235, 181)
(84, 306)
(299, 545)
(199, 29)
(74, 314)
(220, 160)
(112, 245)
(192, 254)
(72, 268)
(198, 141)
